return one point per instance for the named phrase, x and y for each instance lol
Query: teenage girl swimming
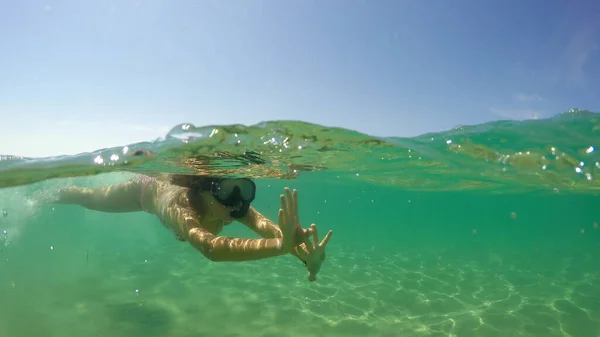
(196, 208)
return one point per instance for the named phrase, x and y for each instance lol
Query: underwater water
(486, 230)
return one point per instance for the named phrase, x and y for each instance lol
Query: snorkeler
(196, 208)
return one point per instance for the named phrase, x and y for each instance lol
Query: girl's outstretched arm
(117, 198)
(260, 224)
(264, 227)
(222, 248)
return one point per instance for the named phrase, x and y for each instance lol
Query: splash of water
(17, 208)
(554, 154)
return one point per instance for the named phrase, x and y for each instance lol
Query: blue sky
(81, 75)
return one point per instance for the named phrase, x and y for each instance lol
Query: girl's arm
(264, 227)
(118, 198)
(260, 224)
(223, 248)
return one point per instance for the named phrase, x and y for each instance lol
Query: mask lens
(245, 189)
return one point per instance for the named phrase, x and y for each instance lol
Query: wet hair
(193, 182)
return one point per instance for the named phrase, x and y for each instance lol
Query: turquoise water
(488, 230)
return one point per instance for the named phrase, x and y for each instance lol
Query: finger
(315, 234)
(326, 239)
(289, 199)
(280, 220)
(298, 235)
(307, 243)
(306, 240)
(295, 205)
(283, 206)
(302, 253)
(308, 232)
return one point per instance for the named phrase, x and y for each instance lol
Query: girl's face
(214, 209)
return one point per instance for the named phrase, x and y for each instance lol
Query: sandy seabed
(425, 292)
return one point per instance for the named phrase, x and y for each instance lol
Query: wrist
(283, 246)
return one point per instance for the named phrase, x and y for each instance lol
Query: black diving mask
(235, 192)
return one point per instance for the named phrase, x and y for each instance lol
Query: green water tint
(464, 235)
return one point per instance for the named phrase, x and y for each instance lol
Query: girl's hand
(313, 254)
(289, 222)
